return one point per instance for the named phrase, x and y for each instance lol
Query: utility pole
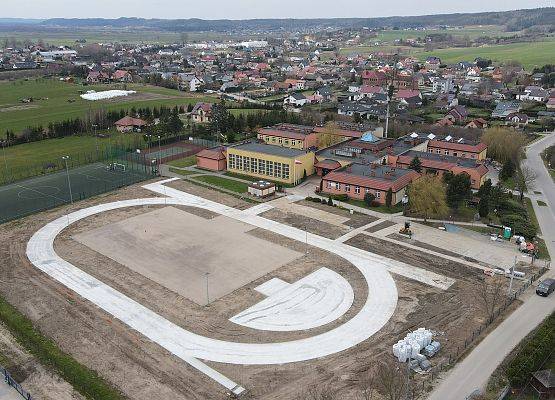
(206, 274)
(65, 158)
(512, 276)
(159, 155)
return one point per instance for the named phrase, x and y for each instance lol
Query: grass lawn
(381, 208)
(52, 104)
(246, 111)
(183, 162)
(84, 380)
(182, 172)
(23, 160)
(224, 183)
(529, 55)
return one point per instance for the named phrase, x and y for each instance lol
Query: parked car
(546, 287)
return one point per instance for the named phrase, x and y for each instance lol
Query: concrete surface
(170, 247)
(315, 300)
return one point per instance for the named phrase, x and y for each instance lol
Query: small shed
(212, 159)
(262, 188)
(543, 382)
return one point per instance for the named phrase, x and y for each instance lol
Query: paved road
(474, 371)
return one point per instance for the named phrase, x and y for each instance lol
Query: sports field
(44, 192)
(56, 101)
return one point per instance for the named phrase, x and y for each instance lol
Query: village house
(295, 100)
(202, 113)
(130, 124)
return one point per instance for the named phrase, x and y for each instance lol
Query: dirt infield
(181, 251)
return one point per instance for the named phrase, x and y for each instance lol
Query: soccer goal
(116, 167)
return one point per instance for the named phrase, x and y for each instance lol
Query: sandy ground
(142, 370)
(172, 247)
(27, 371)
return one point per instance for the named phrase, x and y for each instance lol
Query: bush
(341, 197)
(369, 199)
(521, 225)
(512, 207)
(375, 203)
(533, 354)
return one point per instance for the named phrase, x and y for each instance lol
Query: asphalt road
(474, 371)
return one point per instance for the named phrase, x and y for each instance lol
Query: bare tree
(391, 380)
(367, 386)
(524, 179)
(489, 292)
(317, 393)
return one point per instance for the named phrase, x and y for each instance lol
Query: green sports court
(43, 192)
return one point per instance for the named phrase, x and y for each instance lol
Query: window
(231, 161)
(446, 152)
(285, 171)
(366, 190)
(247, 164)
(337, 185)
(430, 150)
(357, 189)
(378, 194)
(279, 170)
(330, 184)
(270, 166)
(280, 140)
(455, 154)
(262, 167)
(438, 151)
(347, 188)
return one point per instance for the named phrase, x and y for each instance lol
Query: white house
(295, 99)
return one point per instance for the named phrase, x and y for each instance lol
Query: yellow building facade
(267, 162)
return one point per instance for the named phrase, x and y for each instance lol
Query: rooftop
(267, 149)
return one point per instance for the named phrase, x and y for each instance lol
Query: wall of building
(352, 192)
(211, 164)
(310, 140)
(287, 172)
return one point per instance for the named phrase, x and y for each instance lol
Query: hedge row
(84, 380)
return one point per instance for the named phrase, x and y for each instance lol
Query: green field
(224, 183)
(20, 161)
(184, 162)
(530, 55)
(52, 101)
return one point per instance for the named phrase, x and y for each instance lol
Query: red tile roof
(378, 183)
(328, 164)
(469, 148)
(212, 154)
(130, 121)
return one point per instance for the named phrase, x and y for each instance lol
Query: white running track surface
(315, 300)
(373, 315)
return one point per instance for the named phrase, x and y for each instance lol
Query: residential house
(213, 159)
(130, 124)
(295, 100)
(202, 113)
(506, 108)
(374, 78)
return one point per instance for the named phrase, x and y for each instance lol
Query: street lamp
(94, 126)
(159, 155)
(65, 158)
(405, 201)
(206, 274)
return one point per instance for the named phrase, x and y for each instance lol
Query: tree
(369, 199)
(485, 189)
(524, 179)
(330, 201)
(427, 197)
(416, 164)
(329, 136)
(175, 125)
(508, 170)
(389, 198)
(489, 291)
(504, 144)
(483, 206)
(459, 188)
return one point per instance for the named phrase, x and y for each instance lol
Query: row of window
(455, 154)
(347, 188)
(278, 140)
(258, 166)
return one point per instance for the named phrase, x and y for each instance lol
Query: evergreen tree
(508, 170)
(389, 198)
(416, 164)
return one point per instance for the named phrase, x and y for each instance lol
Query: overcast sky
(247, 9)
